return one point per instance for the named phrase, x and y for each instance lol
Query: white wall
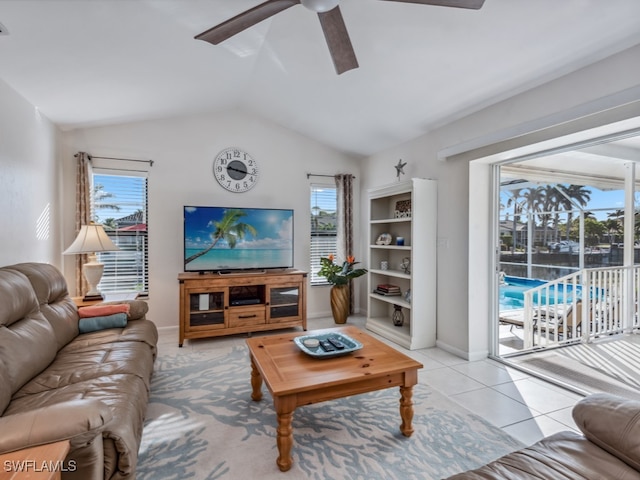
(462, 328)
(183, 150)
(29, 183)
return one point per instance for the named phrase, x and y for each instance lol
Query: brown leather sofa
(608, 449)
(56, 383)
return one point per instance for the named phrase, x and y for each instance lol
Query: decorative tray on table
(341, 344)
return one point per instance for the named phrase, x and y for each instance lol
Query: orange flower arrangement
(340, 274)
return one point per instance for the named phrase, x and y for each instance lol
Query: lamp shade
(91, 238)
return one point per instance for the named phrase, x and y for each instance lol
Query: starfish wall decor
(400, 168)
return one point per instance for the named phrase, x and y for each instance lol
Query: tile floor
(525, 407)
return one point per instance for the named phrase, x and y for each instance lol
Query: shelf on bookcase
(392, 299)
(390, 273)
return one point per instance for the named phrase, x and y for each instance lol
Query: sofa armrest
(137, 308)
(612, 423)
(77, 420)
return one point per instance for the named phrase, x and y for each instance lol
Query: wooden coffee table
(295, 378)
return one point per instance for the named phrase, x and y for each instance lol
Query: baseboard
(470, 356)
(357, 311)
(167, 330)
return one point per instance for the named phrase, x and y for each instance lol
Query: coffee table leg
(406, 410)
(284, 408)
(256, 382)
(285, 441)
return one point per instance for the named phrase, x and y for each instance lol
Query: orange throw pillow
(103, 310)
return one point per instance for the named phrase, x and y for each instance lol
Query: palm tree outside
(615, 225)
(100, 201)
(513, 200)
(110, 224)
(547, 203)
(570, 197)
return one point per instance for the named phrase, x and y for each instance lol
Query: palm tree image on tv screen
(219, 238)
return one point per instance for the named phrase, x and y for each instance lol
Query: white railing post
(627, 311)
(629, 251)
(527, 326)
(588, 290)
(636, 285)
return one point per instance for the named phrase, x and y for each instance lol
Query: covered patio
(585, 340)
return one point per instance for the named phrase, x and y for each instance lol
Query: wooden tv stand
(215, 304)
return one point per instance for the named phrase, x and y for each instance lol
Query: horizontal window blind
(324, 225)
(119, 203)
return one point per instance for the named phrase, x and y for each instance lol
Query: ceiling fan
(335, 31)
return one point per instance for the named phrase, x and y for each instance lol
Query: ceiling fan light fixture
(320, 6)
(331, 21)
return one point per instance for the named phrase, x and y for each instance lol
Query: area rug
(202, 424)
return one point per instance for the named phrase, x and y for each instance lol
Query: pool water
(512, 293)
(510, 303)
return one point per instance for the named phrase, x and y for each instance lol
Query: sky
(610, 200)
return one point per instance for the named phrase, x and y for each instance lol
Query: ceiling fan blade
(472, 4)
(340, 48)
(244, 20)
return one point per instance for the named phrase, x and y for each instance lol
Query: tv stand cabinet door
(285, 303)
(202, 310)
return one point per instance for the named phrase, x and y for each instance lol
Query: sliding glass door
(557, 213)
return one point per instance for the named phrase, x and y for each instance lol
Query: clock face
(235, 170)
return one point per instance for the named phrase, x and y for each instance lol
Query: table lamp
(91, 239)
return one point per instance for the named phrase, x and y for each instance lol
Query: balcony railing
(581, 306)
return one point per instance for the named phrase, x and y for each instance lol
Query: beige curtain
(344, 190)
(83, 211)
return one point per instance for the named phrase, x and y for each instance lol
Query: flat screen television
(229, 238)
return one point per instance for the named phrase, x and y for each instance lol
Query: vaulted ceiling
(100, 62)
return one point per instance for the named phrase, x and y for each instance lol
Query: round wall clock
(235, 170)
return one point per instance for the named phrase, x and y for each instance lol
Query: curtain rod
(126, 170)
(150, 162)
(321, 175)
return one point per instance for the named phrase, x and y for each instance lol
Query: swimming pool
(512, 293)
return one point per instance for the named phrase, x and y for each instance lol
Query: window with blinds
(324, 224)
(119, 203)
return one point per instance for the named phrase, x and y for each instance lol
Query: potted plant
(339, 276)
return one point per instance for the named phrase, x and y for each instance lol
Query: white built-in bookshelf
(408, 210)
